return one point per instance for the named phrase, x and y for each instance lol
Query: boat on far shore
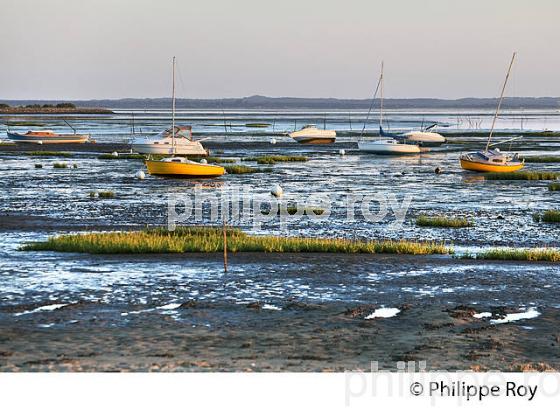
(310, 134)
(47, 137)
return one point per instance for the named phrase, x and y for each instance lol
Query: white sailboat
(176, 140)
(386, 144)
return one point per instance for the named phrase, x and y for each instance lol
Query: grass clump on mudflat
(555, 186)
(210, 239)
(510, 254)
(48, 154)
(243, 169)
(102, 194)
(543, 159)
(273, 159)
(121, 156)
(218, 160)
(521, 175)
(550, 216)
(443, 222)
(60, 165)
(257, 125)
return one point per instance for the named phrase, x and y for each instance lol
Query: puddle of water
(530, 313)
(383, 313)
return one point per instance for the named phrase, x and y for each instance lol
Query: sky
(94, 49)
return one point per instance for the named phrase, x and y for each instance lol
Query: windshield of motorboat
(308, 126)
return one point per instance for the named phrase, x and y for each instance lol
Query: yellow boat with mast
(493, 160)
(175, 166)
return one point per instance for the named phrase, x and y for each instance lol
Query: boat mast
(499, 103)
(381, 96)
(370, 108)
(173, 111)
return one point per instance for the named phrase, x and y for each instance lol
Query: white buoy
(140, 175)
(203, 161)
(115, 154)
(342, 152)
(273, 141)
(277, 191)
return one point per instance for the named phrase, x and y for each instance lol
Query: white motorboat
(310, 134)
(425, 138)
(386, 144)
(168, 142)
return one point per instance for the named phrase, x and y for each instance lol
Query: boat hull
(183, 170)
(165, 149)
(425, 139)
(313, 135)
(315, 140)
(48, 139)
(482, 167)
(388, 149)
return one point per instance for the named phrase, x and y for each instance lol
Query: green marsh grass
(555, 186)
(26, 124)
(121, 156)
(106, 194)
(210, 239)
(521, 175)
(218, 160)
(273, 159)
(548, 159)
(257, 125)
(511, 254)
(443, 222)
(48, 154)
(550, 216)
(243, 169)
(60, 165)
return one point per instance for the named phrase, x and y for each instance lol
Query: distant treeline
(59, 105)
(260, 102)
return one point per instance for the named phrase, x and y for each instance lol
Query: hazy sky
(70, 49)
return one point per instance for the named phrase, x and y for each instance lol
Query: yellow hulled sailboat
(182, 167)
(493, 160)
(178, 166)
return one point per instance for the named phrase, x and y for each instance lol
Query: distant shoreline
(54, 110)
(271, 103)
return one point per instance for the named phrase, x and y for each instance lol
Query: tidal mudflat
(276, 312)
